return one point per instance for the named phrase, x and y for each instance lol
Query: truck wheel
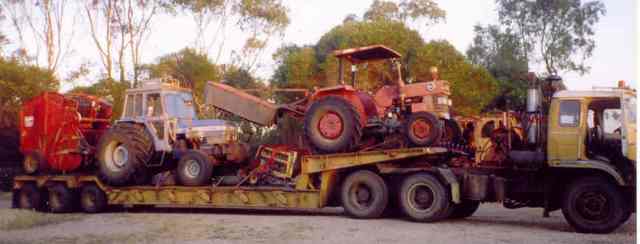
(364, 194)
(30, 197)
(423, 198)
(332, 125)
(122, 151)
(465, 209)
(423, 129)
(194, 169)
(32, 162)
(92, 199)
(61, 198)
(452, 131)
(594, 205)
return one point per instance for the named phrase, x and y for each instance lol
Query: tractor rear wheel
(332, 125)
(423, 129)
(123, 152)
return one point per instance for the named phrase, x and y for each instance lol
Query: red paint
(55, 126)
(421, 128)
(330, 125)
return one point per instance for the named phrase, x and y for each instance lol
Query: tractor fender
(601, 166)
(362, 102)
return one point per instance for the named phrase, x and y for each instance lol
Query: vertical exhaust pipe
(533, 109)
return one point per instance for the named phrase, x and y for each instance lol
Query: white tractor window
(180, 105)
(154, 108)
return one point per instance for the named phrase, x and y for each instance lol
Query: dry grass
(18, 219)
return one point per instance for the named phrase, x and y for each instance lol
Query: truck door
(566, 130)
(629, 126)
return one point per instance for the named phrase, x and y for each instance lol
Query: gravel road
(491, 224)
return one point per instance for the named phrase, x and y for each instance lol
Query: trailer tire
(194, 169)
(594, 205)
(123, 151)
(423, 129)
(92, 199)
(424, 198)
(332, 125)
(364, 195)
(30, 197)
(61, 198)
(464, 209)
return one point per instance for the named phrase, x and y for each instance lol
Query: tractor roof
(367, 54)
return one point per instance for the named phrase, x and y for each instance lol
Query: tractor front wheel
(423, 129)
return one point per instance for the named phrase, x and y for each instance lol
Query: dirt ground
(491, 224)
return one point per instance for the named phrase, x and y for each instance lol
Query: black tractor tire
(30, 197)
(350, 131)
(122, 152)
(464, 209)
(364, 195)
(426, 135)
(431, 203)
(194, 169)
(61, 198)
(33, 163)
(451, 132)
(594, 205)
(92, 199)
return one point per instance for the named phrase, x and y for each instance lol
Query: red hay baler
(58, 133)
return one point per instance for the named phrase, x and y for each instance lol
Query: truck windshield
(180, 105)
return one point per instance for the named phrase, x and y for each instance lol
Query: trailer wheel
(364, 195)
(92, 199)
(465, 209)
(332, 125)
(61, 198)
(594, 205)
(423, 198)
(194, 169)
(423, 129)
(123, 151)
(30, 197)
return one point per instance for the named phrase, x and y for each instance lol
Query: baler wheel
(61, 198)
(332, 125)
(423, 129)
(30, 197)
(123, 152)
(92, 199)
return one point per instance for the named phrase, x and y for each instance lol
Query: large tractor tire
(423, 129)
(332, 125)
(30, 197)
(594, 205)
(194, 169)
(92, 199)
(364, 195)
(61, 198)
(424, 198)
(123, 152)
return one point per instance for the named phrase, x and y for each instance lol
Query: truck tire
(423, 129)
(594, 205)
(122, 151)
(30, 197)
(332, 125)
(464, 209)
(364, 195)
(424, 198)
(33, 162)
(61, 198)
(92, 199)
(194, 169)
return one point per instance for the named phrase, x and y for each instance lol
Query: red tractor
(344, 119)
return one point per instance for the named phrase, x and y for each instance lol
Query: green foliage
(407, 9)
(18, 83)
(558, 32)
(112, 91)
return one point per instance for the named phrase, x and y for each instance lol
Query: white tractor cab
(158, 128)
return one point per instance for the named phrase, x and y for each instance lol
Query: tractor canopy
(367, 54)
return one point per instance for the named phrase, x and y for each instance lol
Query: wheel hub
(593, 206)
(120, 156)
(421, 197)
(421, 128)
(330, 125)
(362, 195)
(192, 169)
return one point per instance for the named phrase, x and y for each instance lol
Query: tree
(113, 92)
(414, 10)
(43, 25)
(557, 33)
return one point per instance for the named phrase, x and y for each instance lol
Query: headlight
(442, 100)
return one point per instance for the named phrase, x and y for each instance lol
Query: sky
(615, 56)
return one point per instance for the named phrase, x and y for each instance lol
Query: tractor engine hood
(211, 131)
